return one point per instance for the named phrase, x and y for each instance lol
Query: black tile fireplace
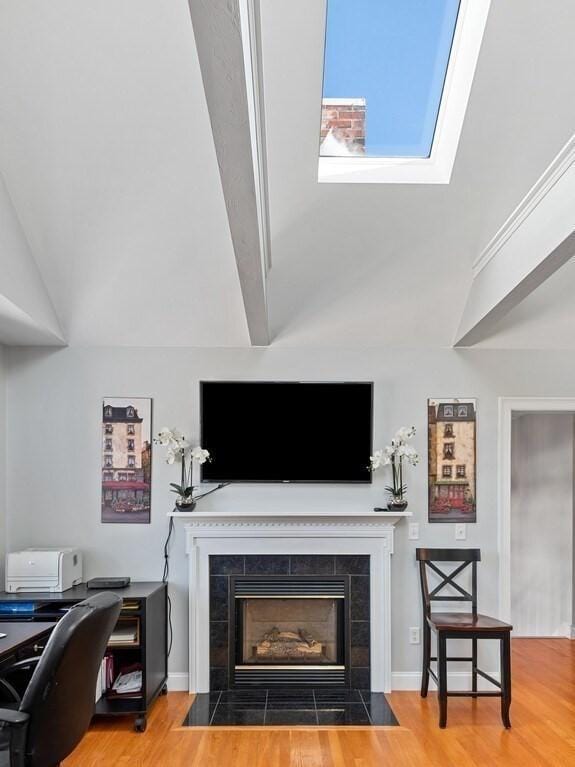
(289, 621)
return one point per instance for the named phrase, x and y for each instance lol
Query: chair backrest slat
(427, 559)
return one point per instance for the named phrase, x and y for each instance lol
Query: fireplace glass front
(292, 631)
(289, 630)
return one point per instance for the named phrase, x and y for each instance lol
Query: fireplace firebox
(289, 630)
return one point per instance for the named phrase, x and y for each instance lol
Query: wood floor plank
(542, 714)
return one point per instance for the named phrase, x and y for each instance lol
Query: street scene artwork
(126, 459)
(452, 428)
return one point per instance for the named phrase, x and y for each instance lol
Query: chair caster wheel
(140, 724)
(164, 690)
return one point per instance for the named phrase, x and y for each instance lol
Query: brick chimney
(342, 127)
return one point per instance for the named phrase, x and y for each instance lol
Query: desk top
(21, 634)
(136, 590)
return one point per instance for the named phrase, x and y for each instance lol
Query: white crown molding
(540, 189)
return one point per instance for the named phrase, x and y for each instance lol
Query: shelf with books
(126, 633)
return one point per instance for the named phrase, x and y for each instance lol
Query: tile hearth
(277, 708)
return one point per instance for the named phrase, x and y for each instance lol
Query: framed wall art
(126, 459)
(452, 475)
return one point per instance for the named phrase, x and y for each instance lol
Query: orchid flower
(178, 448)
(395, 454)
(199, 455)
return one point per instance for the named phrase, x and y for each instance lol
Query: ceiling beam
(537, 239)
(227, 41)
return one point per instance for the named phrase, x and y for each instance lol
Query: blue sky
(394, 53)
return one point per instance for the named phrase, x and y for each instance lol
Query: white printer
(51, 570)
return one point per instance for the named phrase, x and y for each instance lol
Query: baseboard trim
(400, 680)
(178, 681)
(456, 680)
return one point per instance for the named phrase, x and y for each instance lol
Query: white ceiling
(107, 152)
(108, 155)
(386, 264)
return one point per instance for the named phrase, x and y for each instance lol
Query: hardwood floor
(542, 715)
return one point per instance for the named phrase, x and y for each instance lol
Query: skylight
(397, 77)
(393, 56)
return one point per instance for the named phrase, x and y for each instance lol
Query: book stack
(105, 677)
(123, 635)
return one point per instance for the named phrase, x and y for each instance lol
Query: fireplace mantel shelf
(384, 517)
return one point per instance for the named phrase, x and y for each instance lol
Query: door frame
(508, 406)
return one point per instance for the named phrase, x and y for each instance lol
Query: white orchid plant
(394, 455)
(180, 450)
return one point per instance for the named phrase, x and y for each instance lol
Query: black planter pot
(185, 506)
(397, 505)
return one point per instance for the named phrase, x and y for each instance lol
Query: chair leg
(474, 664)
(426, 659)
(442, 677)
(506, 679)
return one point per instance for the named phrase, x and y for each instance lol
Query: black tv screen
(286, 432)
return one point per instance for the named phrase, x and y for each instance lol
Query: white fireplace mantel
(290, 532)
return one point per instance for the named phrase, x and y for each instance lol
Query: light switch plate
(460, 532)
(413, 533)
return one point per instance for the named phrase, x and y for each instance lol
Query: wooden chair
(466, 625)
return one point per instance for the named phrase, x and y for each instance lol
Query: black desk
(144, 612)
(20, 635)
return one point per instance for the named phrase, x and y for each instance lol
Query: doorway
(542, 452)
(536, 502)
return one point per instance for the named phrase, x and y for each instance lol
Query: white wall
(53, 461)
(542, 523)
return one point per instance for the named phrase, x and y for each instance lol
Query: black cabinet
(142, 627)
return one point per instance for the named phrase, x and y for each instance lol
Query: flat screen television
(286, 431)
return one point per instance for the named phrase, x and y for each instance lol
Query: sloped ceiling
(391, 264)
(107, 152)
(108, 156)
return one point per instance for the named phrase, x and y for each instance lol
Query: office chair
(58, 704)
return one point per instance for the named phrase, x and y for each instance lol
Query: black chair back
(427, 559)
(61, 693)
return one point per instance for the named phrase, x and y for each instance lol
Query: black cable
(166, 573)
(213, 490)
(166, 552)
(170, 627)
(165, 576)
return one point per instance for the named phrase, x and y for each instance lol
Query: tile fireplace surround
(349, 571)
(289, 534)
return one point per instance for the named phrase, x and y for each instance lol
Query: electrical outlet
(413, 533)
(414, 635)
(460, 532)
